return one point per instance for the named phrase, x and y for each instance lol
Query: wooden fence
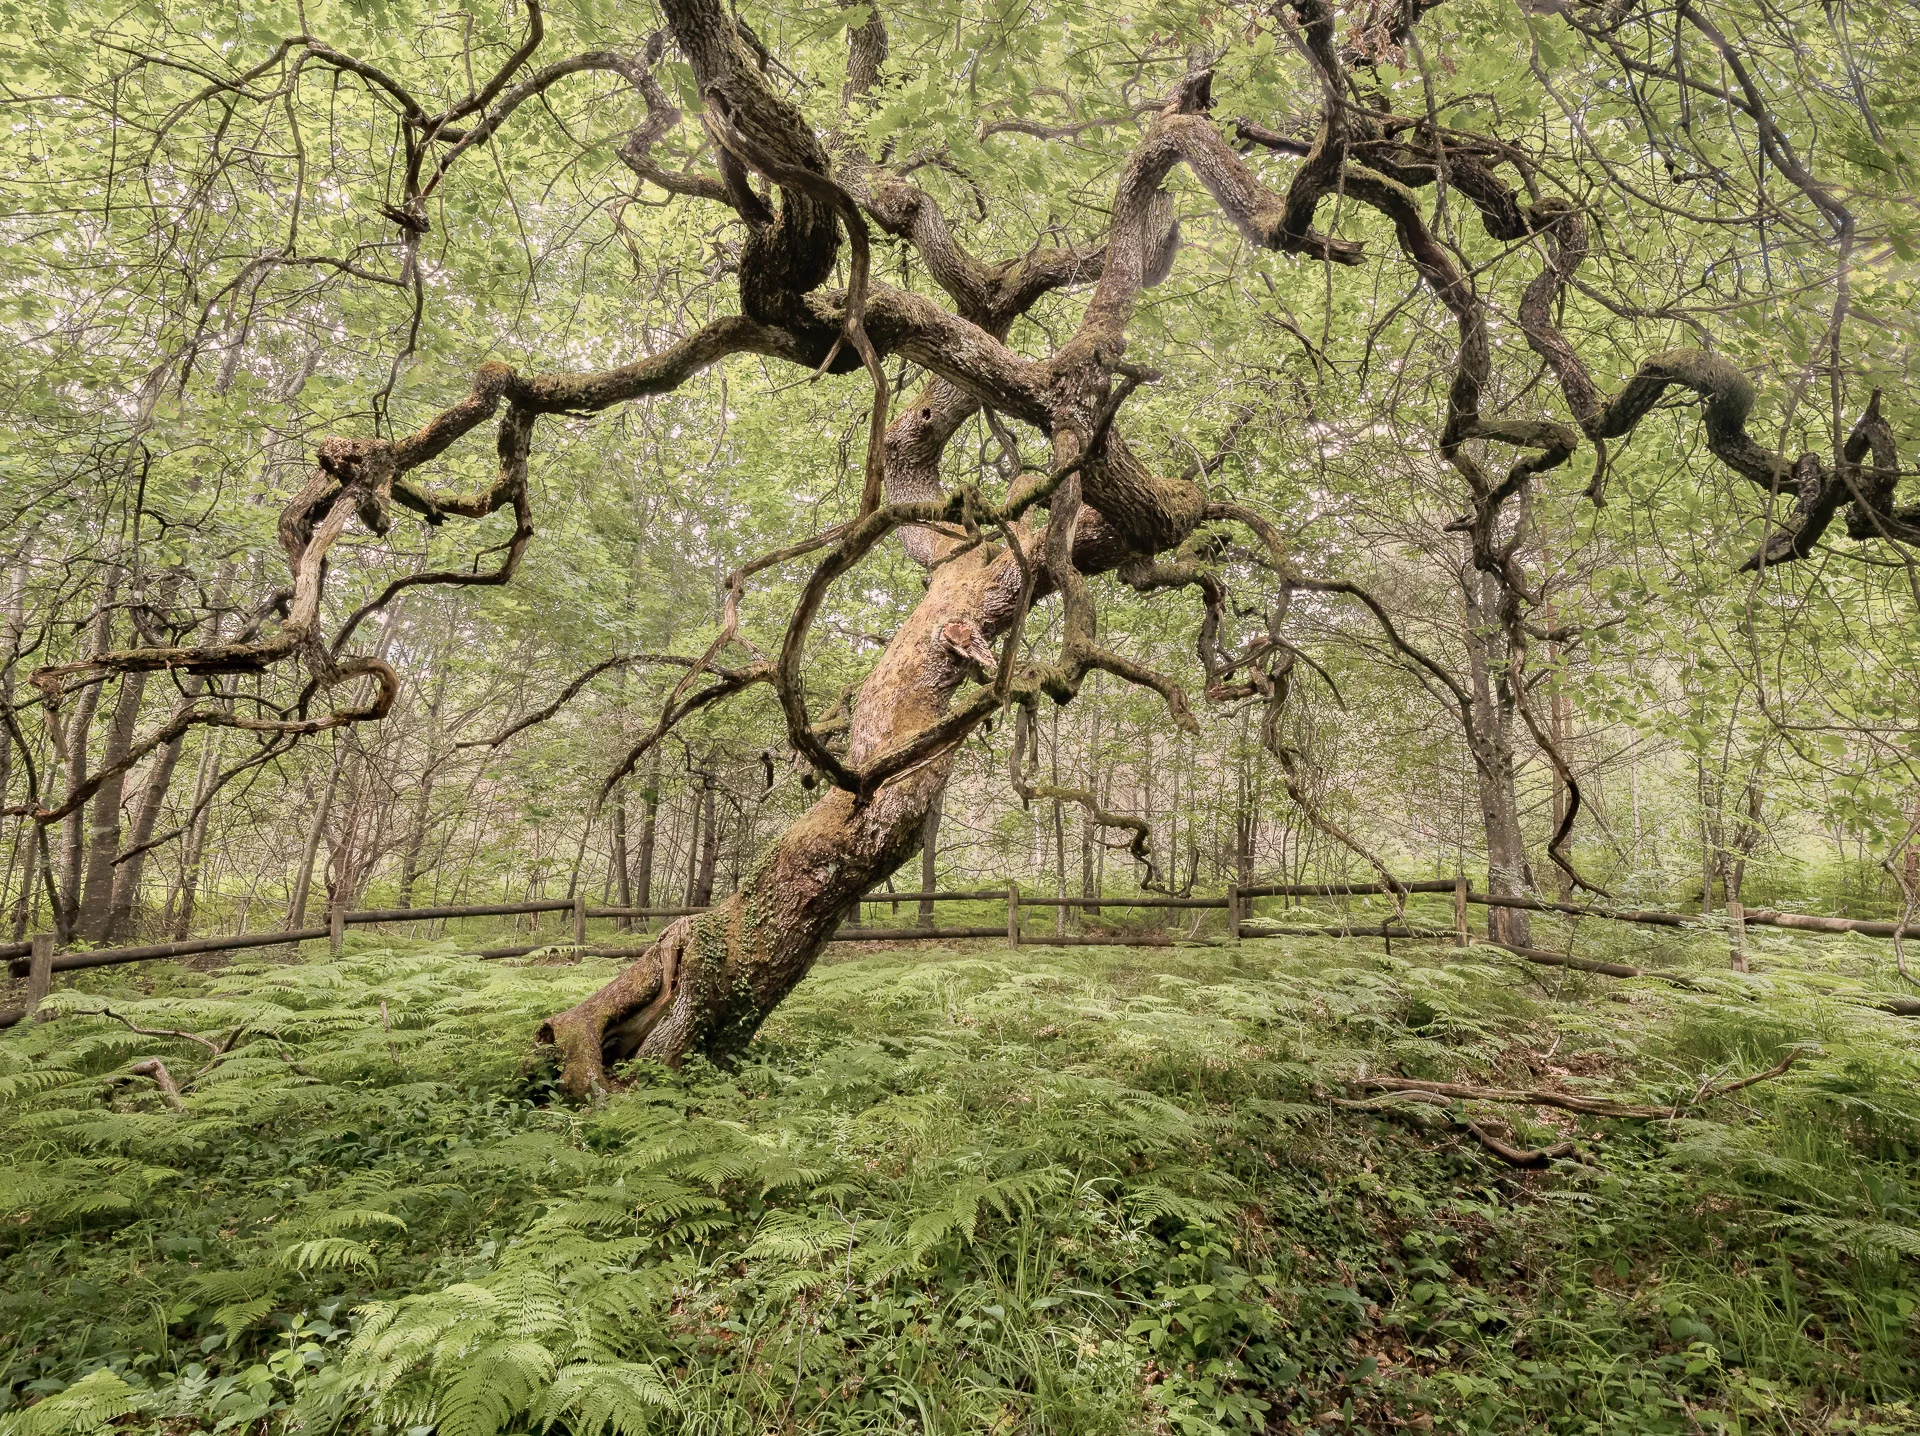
(37, 961)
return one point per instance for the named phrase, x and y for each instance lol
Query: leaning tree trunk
(709, 981)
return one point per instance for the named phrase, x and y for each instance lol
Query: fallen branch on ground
(1570, 1101)
(1505, 1151)
(1398, 1090)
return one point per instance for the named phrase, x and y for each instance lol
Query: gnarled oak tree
(1385, 162)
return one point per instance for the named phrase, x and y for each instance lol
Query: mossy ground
(1085, 1190)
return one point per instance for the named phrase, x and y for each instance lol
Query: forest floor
(966, 1190)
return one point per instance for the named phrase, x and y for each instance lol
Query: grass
(1091, 1190)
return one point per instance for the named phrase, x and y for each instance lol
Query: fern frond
(239, 1316)
(329, 1253)
(621, 1399)
(496, 1384)
(91, 1404)
(1153, 1201)
(797, 1237)
(349, 1219)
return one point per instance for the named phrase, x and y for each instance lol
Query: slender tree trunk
(1089, 887)
(128, 874)
(1490, 736)
(929, 851)
(16, 625)
(95, 918)
(649, 838)
(21, 853)
(30, 838)
(1059, 834)
(622, 884)
(1745, 839)
(73, 830)
(1174, 820)
(1146, 798)
(1100, 846)
(416, 837)
(79, 730)
(1709, 846)
(421, 817)
(316, 830)
(194, 848)
(709, 850)
(1557, 724)
(692, 884)
(1089, 832)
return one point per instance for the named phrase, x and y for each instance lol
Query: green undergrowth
(1087, 1190)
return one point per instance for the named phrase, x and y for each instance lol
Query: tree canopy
(1438, 413)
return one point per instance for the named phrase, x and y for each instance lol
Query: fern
(327, 1253)
(606, 1400)
(798, 1237)
(91, 1404)
(938, 1191)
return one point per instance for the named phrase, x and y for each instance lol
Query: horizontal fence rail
(1423, 885)
(36, 960)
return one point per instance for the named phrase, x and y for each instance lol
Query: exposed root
(610, 1026)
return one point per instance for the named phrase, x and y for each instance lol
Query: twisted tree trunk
(709, 981)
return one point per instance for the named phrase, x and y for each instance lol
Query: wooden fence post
(337, 925)
(1461, 937)
(579, 918)
(1013, 913)
(40, 971)
(1233, 912)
